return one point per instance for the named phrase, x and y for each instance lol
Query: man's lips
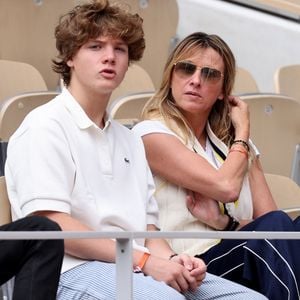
(108, 73)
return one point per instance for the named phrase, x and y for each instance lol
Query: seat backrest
(128, 109)
(286, 193)
(136, 80)
(14, 110)
(287, 81)
(18, 77)
(5, 213)
(296, 165)
(244, 82)
(275, 129)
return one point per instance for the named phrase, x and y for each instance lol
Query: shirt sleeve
(151, 126)
(40, 171)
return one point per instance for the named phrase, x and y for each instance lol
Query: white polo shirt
(59, 160)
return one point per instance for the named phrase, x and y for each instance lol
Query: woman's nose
(196, 78)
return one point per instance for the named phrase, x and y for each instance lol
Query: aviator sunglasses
(207, 74)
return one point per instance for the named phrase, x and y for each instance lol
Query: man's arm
(88, 249)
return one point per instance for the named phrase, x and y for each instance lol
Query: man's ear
(70, 63)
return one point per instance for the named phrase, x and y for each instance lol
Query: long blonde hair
(162, 104)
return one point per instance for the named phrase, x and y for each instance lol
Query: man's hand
(181, 273)
(195, 266)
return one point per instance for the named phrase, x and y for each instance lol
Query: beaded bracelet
(241, 142)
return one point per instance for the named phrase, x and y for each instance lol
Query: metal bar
(52, 235)
(124, 245)
(124, 269)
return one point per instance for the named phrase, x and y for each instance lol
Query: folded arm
(172, 160)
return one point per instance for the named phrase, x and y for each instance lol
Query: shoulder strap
(218, 151)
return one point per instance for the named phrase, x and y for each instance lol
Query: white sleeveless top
(173, 213)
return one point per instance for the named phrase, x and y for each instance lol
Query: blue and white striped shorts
(96, 281)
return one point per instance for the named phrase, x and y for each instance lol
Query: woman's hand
(206, 210)
(240, 118)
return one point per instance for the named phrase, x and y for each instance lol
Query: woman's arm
(263, 201)
(172, 160)
(206, 210)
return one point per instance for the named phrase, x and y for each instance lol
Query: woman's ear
(221, 97)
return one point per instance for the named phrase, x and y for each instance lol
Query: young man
(35, 264)
(70, 162)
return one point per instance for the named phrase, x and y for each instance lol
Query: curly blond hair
(90, 20)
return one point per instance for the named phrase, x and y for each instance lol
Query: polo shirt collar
(78, 114)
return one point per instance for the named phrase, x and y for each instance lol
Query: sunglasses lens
(185, 68)
(210, 74)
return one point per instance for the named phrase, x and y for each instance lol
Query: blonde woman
(207, 171)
